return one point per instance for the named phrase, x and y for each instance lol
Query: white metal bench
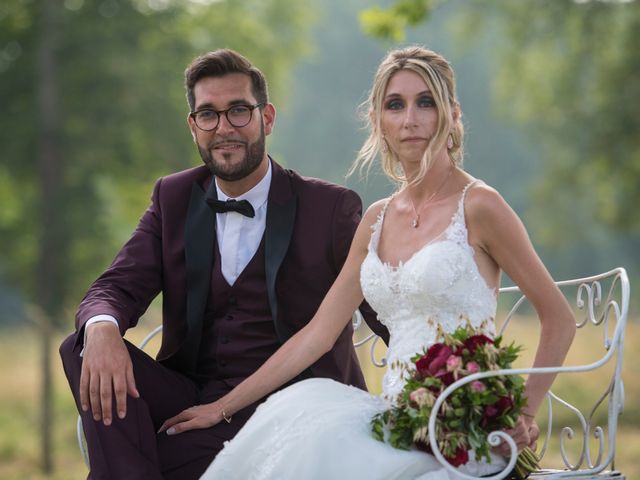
(601, 302)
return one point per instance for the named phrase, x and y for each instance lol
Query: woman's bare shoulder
(375, 209)
(484, 201)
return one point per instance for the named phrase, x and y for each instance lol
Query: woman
(427, 256)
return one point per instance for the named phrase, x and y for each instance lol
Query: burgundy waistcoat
(238, 332)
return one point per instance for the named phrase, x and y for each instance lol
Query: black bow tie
(243, 207)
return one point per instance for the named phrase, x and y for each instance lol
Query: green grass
(20, 383)
(20, 422)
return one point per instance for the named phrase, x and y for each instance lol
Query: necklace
(416, 221)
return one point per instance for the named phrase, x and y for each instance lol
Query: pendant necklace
(416, 221)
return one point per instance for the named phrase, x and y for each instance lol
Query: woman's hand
(534, 433)
(200, 416)
(525, 433)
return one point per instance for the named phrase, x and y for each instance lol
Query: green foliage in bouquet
(471, 412)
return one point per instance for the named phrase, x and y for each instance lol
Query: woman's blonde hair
(438, 75)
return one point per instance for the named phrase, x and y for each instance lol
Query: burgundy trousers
(130, 448)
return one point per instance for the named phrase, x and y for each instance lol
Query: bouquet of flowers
(470, 412)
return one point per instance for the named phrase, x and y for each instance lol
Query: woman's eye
(395, 105)
(426, 102)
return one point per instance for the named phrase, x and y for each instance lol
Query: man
(243, 252)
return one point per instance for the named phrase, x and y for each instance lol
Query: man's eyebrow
(232, 103)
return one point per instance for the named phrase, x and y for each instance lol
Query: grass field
(20, 424)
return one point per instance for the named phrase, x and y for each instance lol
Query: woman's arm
(300, 351)
(499, 233)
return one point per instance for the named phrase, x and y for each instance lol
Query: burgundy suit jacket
(309, 228)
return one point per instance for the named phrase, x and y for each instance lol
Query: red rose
(445, 377)
(504, 404)
(434, 360)
(473, 342)
(459, 458)
(497, 409)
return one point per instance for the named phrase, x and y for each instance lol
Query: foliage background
(92, 111)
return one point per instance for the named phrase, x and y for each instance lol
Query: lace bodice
(439, 285)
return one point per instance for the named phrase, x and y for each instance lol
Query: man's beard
(254, 153)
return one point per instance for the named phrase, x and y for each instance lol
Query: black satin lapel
(198, 245)
(278, 231)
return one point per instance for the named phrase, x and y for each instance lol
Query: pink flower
(473, 367)
(477, 386)
(419, 395)
(454, 363)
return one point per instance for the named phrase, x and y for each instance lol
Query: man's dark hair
(222, 62)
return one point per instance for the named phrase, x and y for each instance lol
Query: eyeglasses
(238, 116)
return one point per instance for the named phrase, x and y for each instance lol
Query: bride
(430, 255)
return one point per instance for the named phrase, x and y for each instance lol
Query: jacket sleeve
(347, 216)
(134, 278)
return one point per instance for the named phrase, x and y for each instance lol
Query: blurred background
(92, 112)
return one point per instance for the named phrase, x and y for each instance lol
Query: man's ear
(269, 117)
(192, 127)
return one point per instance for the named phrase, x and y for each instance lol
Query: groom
(242, 250)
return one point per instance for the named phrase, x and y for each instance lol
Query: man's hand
(200, 416)
(106, 371)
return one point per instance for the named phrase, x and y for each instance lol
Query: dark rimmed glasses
(208, 119)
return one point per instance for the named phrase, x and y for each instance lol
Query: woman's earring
(450, 142)
(384, 148)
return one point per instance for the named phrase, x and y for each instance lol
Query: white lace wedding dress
(319, 428)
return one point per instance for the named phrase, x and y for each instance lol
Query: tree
(93, 109)
(562, 72)
(566, 74)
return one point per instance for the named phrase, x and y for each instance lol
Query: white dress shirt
(238, 236)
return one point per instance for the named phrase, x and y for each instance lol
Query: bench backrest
(601, 303)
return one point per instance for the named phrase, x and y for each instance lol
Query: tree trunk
(49, 276)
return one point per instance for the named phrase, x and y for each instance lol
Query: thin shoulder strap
(383, 210)
(467, 186)
(460, 212)
(377, 226)
(386, 204)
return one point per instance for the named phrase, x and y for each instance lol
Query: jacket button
(224, 340)
(232, 300)
(228, 318)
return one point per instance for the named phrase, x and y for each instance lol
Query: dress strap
(469, 185)
(458, 227)
(464, 195)
(376, 228)
(384, 207)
